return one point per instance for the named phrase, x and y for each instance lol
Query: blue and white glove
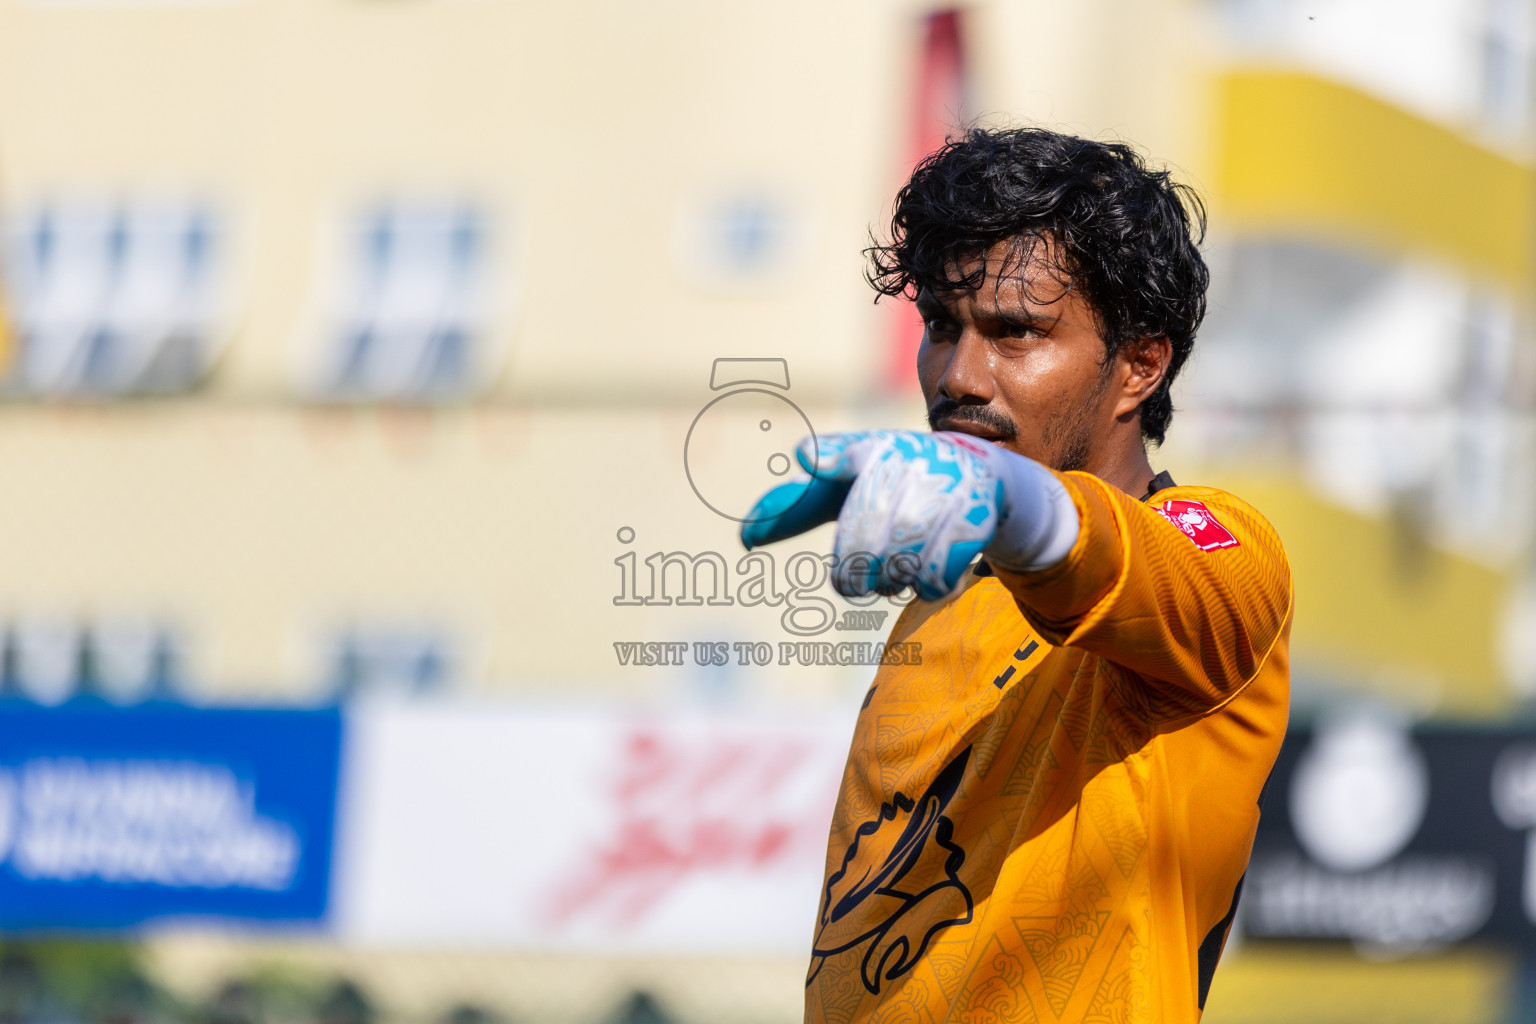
(915, 509)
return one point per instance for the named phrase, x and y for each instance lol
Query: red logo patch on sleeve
(1198, 524)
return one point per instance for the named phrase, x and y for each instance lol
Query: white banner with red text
(504, 826)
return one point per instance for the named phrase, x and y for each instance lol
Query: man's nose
(969, 373)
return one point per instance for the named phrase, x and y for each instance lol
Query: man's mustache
(983, 416)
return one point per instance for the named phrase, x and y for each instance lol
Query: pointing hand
(915, 509)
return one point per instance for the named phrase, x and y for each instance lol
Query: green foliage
(78, 978)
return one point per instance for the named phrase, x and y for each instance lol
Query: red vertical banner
(938, 107)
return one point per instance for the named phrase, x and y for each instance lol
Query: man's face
(1019, 361)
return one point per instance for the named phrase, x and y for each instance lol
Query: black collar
(1161, 482)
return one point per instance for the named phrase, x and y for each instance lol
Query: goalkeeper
(1049, 818)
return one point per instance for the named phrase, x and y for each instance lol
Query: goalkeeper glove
(914, 509)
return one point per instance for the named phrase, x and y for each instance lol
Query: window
(51, 659)
(741, 241)
(411, 306)
(112, 299)
(399, 661)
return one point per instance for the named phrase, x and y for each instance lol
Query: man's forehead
(1011, 274)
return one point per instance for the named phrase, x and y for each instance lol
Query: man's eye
(1021, 331)
(937, 324)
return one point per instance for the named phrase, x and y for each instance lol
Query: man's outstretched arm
(1089, 566)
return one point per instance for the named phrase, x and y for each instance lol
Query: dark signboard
(1397, 838)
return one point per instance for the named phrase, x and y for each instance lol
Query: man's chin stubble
(1069, 438)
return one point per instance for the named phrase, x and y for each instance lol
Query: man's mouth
(976, 420)
(960, 426)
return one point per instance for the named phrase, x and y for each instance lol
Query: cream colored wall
(260, 529)
(580, 126)
(1112, 69)
(258, 523)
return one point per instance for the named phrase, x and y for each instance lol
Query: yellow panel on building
(1301, 155)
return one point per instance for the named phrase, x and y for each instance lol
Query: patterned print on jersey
(1114, 718)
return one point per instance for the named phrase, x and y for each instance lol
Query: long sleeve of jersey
(1191, 589)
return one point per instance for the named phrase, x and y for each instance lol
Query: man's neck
(1125, 465)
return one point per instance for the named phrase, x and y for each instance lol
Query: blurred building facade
(352, 346)
(364, 315)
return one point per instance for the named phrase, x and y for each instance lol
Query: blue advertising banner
(111, 816)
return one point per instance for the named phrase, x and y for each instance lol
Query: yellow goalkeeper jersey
(1049, 818)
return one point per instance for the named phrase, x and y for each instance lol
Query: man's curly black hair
(1125, 235)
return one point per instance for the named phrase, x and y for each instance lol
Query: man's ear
(1143, 365)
